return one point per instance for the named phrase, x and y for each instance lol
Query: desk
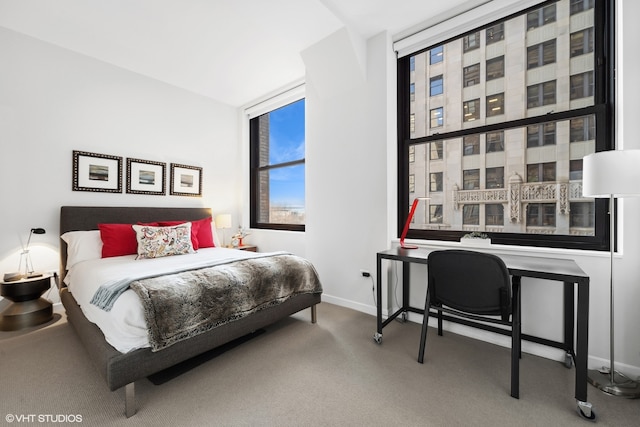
(561, 270)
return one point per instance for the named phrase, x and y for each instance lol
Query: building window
(435, 214)
(471, 214)
(541, 172)
(541, 54)
(471, 145)
(437, 117)
(578, 6)
(471, 75)
(495, 33)
(495, 178)
(581, 85)
(277, 159)
(412, 64)
(471, 42)
(581, 214)
(495, 68)
(471, 179)
(528, 154)
(541, 94)
(436, 55)
(575, 170)
(412, 154)
(494, 214)
(582, 129)
(542, 134)
(435, 181)
(412, 183)
(435, 85)
(435, 150)
(412, 91)
(495, 141)
(412, 123)
(581, 42)
(471, 110)
(543, 16)
(541, 215)
(495, 104)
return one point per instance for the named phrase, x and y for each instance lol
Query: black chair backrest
(469, 281)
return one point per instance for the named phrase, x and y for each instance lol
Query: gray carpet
(300, 374)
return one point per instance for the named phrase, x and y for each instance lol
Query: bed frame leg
(130, 400)
(314, 314)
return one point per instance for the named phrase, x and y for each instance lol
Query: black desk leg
(378, 335)
(582, 341)
(569, 313)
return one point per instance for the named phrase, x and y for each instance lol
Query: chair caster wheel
(568, 361)
(377, 337)
(585, 409)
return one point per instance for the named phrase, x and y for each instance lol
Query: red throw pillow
(201, 234)
(118, 240)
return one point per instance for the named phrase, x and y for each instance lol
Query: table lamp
(28, 265)
(223, 221)
(414, 205)
(612, 174)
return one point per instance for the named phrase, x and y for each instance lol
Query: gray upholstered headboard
(77, 218)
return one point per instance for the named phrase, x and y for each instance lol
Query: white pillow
(155, 242)
(82, 246)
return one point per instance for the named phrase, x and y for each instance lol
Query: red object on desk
(408, 223)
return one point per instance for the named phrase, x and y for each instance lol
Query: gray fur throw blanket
(181, 305)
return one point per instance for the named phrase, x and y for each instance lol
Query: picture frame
(97, 172)
(146, 177)
(185, 180)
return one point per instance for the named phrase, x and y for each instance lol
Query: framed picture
(146, 177)
(97, 172)
(185, 180)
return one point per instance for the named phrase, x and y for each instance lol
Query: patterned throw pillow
(155, 242)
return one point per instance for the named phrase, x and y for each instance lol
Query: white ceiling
(234, 51)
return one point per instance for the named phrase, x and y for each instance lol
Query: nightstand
(251, 248)
(27, 307)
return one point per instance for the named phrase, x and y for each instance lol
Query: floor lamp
(612, 174)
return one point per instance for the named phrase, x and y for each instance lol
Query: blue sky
(287, 140)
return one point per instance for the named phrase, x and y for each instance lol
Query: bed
(121, 368)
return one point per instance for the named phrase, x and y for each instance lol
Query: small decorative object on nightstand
(27, 307)
(252, 248)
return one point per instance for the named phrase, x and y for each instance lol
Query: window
(437, 117)
(495, 33)
(412, 90)
(578, 6)
(515, 171)
(541, 172)
(541, 94)
(494, 214)
(541, 54)
(582, 129)
(435, 181)
(543, 16)
(435, 86)
(471, 75)
(495, 141)
(412, 183)
(495, 104)
(581, 42)
(471, 214)
(435, 148)
(581, 214)
(412, 154)
(471, 110)
(495, 68)
(436, 55)
(471, 145)
(581, 85)
(435, 214)
(471, 179)
(277, 140)
(543, 134)
(495, 177)
(541, 215)
(471, 42)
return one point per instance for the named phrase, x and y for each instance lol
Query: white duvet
(124, 327)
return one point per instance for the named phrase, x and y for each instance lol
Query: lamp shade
(614, 173)
(223, 221)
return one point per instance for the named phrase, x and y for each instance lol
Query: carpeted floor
(300, 374)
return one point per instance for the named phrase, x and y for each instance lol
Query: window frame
(602, 110)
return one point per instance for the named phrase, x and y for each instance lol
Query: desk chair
(474, 285)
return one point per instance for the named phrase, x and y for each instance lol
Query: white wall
(53, 101)
(351, 198)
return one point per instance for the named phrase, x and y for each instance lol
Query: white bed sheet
(124, 327)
